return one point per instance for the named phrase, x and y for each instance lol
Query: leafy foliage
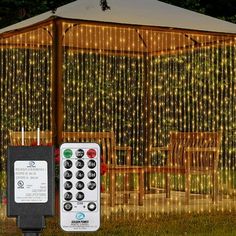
(193, 5)
(12, 11)
(222, 9)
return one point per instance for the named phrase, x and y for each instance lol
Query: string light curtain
(143, 84)
(140, 84)
(193, 91)
(98, 83)
(25, 83)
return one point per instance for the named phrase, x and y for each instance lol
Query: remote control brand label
(31, 181)
(80, 216)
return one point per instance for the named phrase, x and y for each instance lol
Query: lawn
(215, 224)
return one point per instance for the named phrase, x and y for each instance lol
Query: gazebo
(141, 70)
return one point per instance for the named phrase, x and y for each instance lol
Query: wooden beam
(26, 29)
(131, 53)
(146, 27)
(28, 46)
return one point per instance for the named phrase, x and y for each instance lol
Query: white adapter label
(31, 181)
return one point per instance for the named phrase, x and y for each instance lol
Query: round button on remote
(68, 174)
(92, 206)
(80, 174)
(91, 164)
(91, 153)
(68, 185)
(68, 206)
(79, 153)
(80, 196)
(67, 164)
(91, 185)
(79, 164)
(68, 196)
(91, 174)
(80, 185)
(67, 153)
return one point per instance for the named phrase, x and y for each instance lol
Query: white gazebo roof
(134, 12)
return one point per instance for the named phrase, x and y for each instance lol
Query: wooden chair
(191, 153)
(30, 138)
(109, 149)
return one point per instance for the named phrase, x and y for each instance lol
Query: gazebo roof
(133, 12)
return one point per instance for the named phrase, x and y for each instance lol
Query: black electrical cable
(31, 233)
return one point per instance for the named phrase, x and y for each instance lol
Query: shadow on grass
(215, 224)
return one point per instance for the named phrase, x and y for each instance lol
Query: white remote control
(80, 187)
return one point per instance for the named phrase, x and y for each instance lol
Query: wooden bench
(190, 153)
(109, 154)
(30, 138)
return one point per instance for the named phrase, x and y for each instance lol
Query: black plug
(31, 188)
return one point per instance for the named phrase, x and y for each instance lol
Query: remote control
(80, 187)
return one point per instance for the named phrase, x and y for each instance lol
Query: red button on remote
(91, 153)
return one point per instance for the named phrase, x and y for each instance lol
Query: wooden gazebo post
(57, 86)
(147, 115)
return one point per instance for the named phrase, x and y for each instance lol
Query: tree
(12, 11)
(193, 5)
(222, 9)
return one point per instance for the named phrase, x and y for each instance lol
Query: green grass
(215, 224)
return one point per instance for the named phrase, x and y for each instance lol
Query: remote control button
(68, 185)
(80, 174)
(79, 153)
(91, 174)
(91, 153)
(80, 196)
(91, 164)
(79, 164)
(67, 153)
(68, 206)
(92, 206)
(91, 185)
(68, 196)
(67, 164)
(68, 174)
(79, 185)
